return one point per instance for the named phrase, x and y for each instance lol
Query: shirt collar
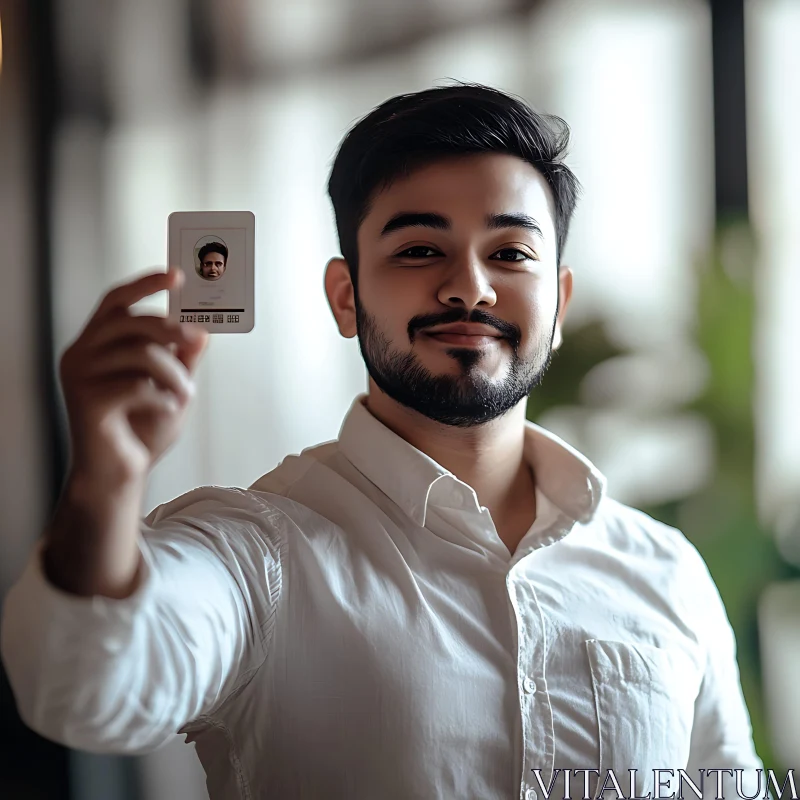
(407, 475)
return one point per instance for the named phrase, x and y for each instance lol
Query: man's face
(457, 269)
(213, 266)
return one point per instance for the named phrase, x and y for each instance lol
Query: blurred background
(679, 373)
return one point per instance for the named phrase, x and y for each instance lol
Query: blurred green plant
(720, 518)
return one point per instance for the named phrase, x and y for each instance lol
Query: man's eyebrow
(514, 220)
(430, 219)
(415, 219)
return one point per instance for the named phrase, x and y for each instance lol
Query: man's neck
(488, 457)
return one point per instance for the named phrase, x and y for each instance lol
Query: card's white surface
(220, 303)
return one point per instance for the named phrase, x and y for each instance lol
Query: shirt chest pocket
(644, 697)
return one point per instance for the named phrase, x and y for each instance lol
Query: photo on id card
(215, 251)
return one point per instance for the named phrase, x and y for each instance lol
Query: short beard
(462, 401)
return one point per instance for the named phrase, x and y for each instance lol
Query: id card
(215, 250)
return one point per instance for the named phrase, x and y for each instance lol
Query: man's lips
(465, 328)
(464, 339)
(466, 334)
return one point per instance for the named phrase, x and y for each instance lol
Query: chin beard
(462, 400)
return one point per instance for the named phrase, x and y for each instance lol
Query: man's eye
(405, 253)
(514, 257)
(525, 256)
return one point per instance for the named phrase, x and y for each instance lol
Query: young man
(213, 259)
(443, 603)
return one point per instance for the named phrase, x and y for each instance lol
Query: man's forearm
(92, 542)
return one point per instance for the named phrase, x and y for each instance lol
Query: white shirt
(351, 626)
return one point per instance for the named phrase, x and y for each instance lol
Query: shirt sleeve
(722, 735)
(123, 676)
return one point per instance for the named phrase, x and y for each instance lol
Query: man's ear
(341, 296)
(565, 295)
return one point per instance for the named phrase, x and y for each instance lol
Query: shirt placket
(538, 748)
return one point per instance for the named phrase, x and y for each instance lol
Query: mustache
(478, 317)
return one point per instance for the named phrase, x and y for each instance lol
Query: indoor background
(680, 372)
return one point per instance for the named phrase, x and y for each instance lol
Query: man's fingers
(110, 331)
(151, 360)
(124, 296)
(142, 326)
(189, 353)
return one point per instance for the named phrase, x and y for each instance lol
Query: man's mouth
(465, 340)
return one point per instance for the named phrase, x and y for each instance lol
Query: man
(442, 603)
(213, 259)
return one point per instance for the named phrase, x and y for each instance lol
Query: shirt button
(529, 685)
(530, 794)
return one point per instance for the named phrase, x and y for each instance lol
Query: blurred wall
(773, 125)
(23, 484)
(30, 767)
(773, 96)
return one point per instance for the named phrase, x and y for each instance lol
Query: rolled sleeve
(123, 676)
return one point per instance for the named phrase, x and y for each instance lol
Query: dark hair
(411, 130)
(212, 247)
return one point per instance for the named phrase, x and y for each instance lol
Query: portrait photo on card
(214, 264)
(211, 257)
